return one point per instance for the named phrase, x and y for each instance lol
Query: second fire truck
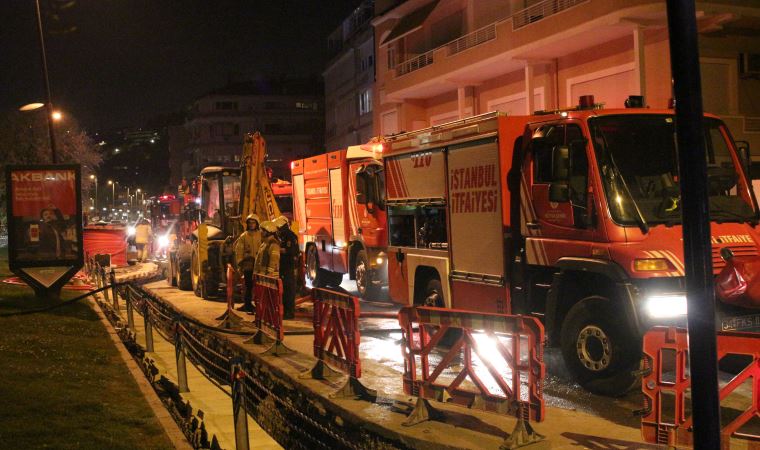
(339, 204)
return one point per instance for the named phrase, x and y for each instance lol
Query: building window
(391, 58)
(274, 105)
(226, 106)
(306, 105)
(365, 102)
(366, 63)
(272, 128)
(225, 129)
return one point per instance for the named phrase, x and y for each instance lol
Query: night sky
(130, 60)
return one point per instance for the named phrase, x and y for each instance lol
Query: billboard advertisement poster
(44, 222)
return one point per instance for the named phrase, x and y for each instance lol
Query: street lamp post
(93, 177)
(51, 133)
(113, 193)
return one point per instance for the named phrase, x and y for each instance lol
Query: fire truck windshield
(638, 163)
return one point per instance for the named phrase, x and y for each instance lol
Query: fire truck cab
(339, 204)
(573, 217)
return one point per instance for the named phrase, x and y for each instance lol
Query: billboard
(44, 222)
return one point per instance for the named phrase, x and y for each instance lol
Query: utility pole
(692, 165)
(51, 132)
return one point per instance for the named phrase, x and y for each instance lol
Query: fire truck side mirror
(560, 163)
(559, 192)
(742, 148)
(361, 187)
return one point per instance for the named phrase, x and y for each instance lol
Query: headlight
(666, 306)
(379, 260)
(651, 265)
(163, 241)
(130, 231)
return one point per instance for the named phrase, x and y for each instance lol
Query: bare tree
(24, 140)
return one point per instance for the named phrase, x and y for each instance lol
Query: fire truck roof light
(586, 102)
(634, 101)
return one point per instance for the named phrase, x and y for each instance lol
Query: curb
(172, 430)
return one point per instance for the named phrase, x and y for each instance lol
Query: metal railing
(542, 10)
(473, 39)
(222, 364)
(520, 19)
(416, 63)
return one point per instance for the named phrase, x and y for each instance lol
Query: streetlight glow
(31, 106)
(57, 116)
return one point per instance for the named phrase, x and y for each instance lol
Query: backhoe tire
(195, 272)
(599, 351)
(171, 278)
(183, 269)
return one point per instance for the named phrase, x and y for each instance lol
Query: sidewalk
(215, 403)
(203, 395)
(464, 428)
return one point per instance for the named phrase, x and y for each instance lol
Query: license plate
(741, 323)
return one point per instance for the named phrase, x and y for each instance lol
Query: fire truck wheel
(312, 264)
(597, 350)
(363, 274)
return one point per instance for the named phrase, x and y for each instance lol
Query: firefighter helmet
(280, 222)
(252, 217)
(268, 226)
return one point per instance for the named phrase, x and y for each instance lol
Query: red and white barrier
(666, 417)
(483, 361)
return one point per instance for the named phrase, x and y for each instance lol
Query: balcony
(458, 45)
(487, 33)
(473, 39)
(415, 63)
(540, 11)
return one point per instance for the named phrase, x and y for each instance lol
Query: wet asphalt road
(559, 389)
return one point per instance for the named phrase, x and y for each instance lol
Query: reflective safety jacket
(143, 234)
(268, 258)
(246, 247)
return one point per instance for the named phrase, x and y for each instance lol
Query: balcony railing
(519, 19)
(470, 40)
(540, 11)
(418, 62)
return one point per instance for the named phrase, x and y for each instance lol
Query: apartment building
(441, 60)
(350, 79)
(288, 112)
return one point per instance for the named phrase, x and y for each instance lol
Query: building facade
(350, 79)
(443, 60)
(288, 113)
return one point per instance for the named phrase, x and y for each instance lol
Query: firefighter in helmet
(268, 256)
(246, 247)
(288, 264)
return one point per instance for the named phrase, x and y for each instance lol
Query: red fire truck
(338, 202)
(572, 216)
